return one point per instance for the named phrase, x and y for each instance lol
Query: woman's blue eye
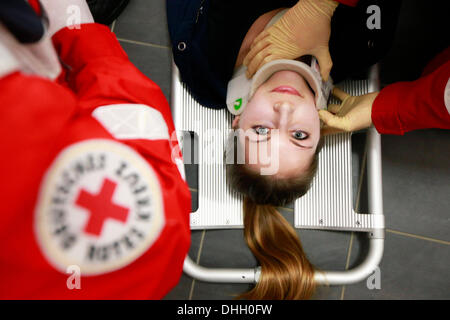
(300, 135)
(261, 130)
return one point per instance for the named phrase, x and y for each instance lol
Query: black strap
(22, 21)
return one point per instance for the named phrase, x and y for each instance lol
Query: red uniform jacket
(93, 203)
(351, 3)
(420, 104)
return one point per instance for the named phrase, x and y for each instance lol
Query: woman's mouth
(288, 90)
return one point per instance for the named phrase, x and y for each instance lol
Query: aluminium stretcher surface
(327, 205)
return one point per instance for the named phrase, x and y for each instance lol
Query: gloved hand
(354, 113)
(66, 13)
(303, 30)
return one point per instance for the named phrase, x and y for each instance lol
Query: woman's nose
(284, 111)
(282, 106)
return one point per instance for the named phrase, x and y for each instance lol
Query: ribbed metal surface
(218, 206)
(328, 205)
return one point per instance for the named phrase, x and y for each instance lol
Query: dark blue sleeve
(188, 30)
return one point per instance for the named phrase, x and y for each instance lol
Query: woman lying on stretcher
(221, 48)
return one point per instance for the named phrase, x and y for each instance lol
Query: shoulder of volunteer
(410, 105)
(100, 207)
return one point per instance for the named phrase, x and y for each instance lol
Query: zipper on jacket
(200, 10)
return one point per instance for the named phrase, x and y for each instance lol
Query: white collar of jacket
(38, 58)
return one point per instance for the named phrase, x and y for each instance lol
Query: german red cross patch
(100, 207)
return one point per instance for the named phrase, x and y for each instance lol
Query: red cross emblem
(101, 207)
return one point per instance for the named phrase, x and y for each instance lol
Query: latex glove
(354, 113)
(303, 30)
(66, 13)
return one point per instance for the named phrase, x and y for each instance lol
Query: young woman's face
(281, 126)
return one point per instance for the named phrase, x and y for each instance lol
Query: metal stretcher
(326, 206)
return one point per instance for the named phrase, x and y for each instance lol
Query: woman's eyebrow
(299, 145)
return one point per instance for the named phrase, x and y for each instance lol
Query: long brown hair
(286, 273)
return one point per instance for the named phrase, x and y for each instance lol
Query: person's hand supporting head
(354, 113)
(303, 30)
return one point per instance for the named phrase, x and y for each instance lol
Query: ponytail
(286, 273)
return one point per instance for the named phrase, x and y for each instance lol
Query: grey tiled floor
(416, 181)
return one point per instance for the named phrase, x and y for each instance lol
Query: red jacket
(351, 3)
(420, 104)
(89, 180)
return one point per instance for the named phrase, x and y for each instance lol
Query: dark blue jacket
(188, 33)
(206, 37)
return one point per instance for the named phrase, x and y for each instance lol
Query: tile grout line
(410, 235)
(199, 252)
(361, 179)
(113, 25)
(143, 43)
(358, 197)
(347, 263)
(405, 234)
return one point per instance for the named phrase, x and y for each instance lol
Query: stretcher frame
(311, 212)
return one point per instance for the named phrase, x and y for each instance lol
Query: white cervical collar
(240, 89)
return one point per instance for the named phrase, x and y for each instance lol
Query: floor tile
(411, 269)
(226, 249)
(191, 175)
(182, 290)
(219, 291)
(155, 63)
(190, 158)
(416, 183)
(359, 185)
(145, 21)
(194, 200)
(327, 251)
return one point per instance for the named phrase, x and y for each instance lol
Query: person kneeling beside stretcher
(94, 205)
(397, 108)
